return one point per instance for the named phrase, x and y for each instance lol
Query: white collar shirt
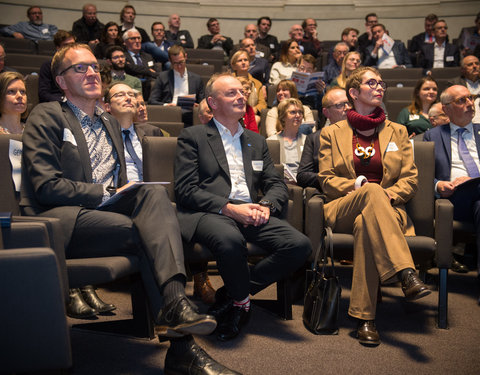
(180, 85)
(438, 55)
(386, 61)
(133, 173)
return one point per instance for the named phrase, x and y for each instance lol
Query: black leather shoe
(459, 267)
(94, 301)
(413, 287)
(77, 307)
(367, 333)
(230, 327)
(223, 304)
(180, 318)
(194, 361)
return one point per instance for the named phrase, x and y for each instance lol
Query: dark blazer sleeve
(401, 55)
(417, 42)
(307, 174)
(139, 71)
(47, 89)
(369, 60)
(162, 89)
(188, 39)
(196, 86)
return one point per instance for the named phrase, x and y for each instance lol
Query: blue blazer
(443, 150)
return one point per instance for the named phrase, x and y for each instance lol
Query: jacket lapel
(343, 139)
(247, 160)
(385, 133)
(446, 144)
(476, 134)
(171, 83)
(216, 144)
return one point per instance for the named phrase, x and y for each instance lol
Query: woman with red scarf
(367, 173)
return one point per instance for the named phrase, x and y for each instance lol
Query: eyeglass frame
(382, 84)
(94, 66)
(340, 105)
(458, 101)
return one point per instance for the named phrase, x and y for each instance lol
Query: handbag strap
(328, 244)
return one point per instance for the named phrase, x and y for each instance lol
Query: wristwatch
(111, 190)
(267, 203)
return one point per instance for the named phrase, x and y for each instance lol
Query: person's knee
(229, 244)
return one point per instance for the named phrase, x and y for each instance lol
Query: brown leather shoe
(202, 288)
(413, 287)
(367, 333)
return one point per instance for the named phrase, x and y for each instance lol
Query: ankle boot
(77, 307)
(202, 288)
(94, 301)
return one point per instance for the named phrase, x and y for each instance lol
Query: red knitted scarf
(361, 122)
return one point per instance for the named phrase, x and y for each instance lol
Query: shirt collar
(223, 130)
(177, 74)
(454, 128)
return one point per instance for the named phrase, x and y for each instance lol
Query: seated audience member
(204, 112)
(88, 29)
(437, 116)
(215, 40)
(240, 67)
(439, 54)
(34, 29)
(116, 59)
(56, 183)
(469, 38)
(121, 103)
(366, 189)
(290, 117)
(3, 55)
(310, 34)
(425, 37)
(415, 116)
(351, 61)
(350, 38)
(221, 212)
(251, 32)
(296, 33)
(109, 38)
(106, 78)
(48, 90)
(127, 22)
(334, 67)
(457, 146)
(137, 62)
(383, 54)
(312, 100)
(366, 39)
(176, 36)
(286, 89)
(264, 25)
(250, 121)
(470, 78)
(160, 45)
(177, 82)
(289, 57)
(335, 106)
(259, 67)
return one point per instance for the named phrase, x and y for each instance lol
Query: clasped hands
(247, 213)
(447, 188)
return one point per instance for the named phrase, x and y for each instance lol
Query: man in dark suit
(177, 82)
(73, 163)
(176, 36)
(427, 36)
(440, 54)
(457, 156)
(88, 29)
(215, 40)
(377, 55)
(259, 67)
(219, 170)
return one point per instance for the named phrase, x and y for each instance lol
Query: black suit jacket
(307, 174)
(182, 38)
(165, 85)
(56, 172)
(205, 42)
(81, 31)
(48, 91)
(147, 130)
(202, 177)
(450, 58)
(140, 71)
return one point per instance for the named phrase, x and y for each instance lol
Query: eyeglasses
(295, 112)
(463, 100)
(373, 84)
(441, 28)
(123, 94)
(82, 68)
(179, 63)
(341, 105)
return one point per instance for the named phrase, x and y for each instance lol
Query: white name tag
(391, 147)
(44, 31)
(15, 155)
(150, 63)
(449, 58)
(257, 165)
(182, 36)
(272, 46)
(68, 137)
(413, 117)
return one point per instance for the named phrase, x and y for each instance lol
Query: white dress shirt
(385, 61)
(438, 55)
(233, 151)
(180, 85)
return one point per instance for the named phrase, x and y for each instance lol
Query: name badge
(257, 165)
(391, 147)
(44, 31)
(272, 46)
(449, 58)
(68, 137)
(15, 155)
(182, 36)
(413, 117)
(150, 63)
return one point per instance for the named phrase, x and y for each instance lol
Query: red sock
(243, 304)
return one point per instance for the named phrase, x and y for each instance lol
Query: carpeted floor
(411, 344)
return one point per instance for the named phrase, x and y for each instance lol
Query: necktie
(131, 151)
(139, 60)
(470, 165)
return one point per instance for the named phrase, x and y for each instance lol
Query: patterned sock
(174, 288)
(243, 304)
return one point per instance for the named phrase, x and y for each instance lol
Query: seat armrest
(295, 209)
(314, 220)
(444, 232)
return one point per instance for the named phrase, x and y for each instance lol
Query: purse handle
(322, 248)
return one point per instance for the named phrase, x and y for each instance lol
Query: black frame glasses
(373, 84)
(82, 68)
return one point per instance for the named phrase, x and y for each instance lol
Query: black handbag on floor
(322, 298)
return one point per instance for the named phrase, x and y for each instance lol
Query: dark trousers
(142, 222)
(466, 207)
(227, 240)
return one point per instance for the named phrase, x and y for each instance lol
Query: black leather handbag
(322, 297)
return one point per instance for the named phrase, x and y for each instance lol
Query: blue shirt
(31, 31)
